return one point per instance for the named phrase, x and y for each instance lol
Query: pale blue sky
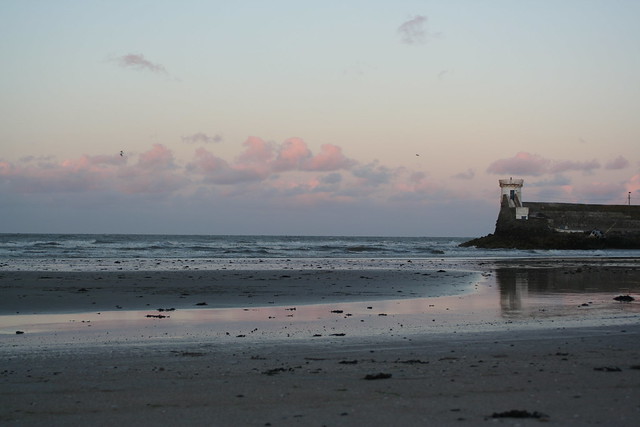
(401, 112)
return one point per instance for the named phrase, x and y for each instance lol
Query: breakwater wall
(564, 226)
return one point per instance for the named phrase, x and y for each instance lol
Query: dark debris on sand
(519, 413)
(379, 376)
(277, 371)
(412, 362)
(608, 369)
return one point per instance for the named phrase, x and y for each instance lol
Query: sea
(159, 246)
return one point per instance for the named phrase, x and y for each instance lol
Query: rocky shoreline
(553, 240)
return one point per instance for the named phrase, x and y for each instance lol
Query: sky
(292, 117)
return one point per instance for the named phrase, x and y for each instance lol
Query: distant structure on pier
(512, 190)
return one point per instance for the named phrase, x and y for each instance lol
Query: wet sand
(34, 292)
(442, 343)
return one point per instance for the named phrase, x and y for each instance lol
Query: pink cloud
(93, 163)
(137, 180)
(206, 162)
(86, 173)
(153, 173)
(261, 160)
(330, 158)
(218, 171)
(521, 164)
(159, 157)
(617, 163)
(6, 168)
(75, 175)
(292, 153)
(256, 151)
(287, 171)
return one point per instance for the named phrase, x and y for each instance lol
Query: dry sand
(453, 347)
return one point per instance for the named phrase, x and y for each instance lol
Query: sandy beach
(420, 342)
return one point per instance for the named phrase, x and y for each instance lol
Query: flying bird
(121, 153)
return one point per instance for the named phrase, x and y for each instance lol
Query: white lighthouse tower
(512, 189)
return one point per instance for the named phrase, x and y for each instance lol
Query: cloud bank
(278, 179)
(289, 170)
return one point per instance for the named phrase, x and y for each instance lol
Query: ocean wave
(330, 247)
(46, 244)
(247, 251)
(104, 242)
(363, 248)
(161, 246)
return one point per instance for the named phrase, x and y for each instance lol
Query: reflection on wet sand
(531, 292)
